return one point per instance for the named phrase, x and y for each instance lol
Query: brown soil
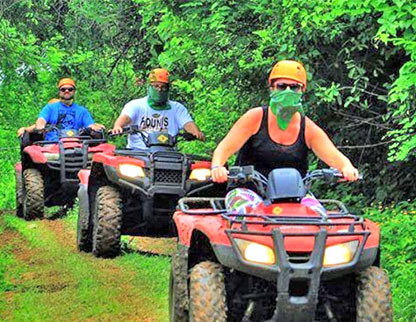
(157, 246)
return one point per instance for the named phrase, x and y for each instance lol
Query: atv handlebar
(134, 129)
(245, 174)
(186, 136)
(328, 175)
(82, 133)
(130, 129)
(241, 175)
(46, 129)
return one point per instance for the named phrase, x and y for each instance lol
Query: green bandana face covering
(158, 100)
(284, 104)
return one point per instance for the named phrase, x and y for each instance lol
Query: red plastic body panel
(18, 167)
(201, 165)
(36, 151)
(84, 175)
(105, 147)
(214, 226)
(113, 161)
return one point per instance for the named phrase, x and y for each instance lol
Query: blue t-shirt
(64, 117)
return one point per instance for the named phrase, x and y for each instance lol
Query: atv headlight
(254, 252)
(200, 174)
(340, 254)
(51, 156)
(131, 170)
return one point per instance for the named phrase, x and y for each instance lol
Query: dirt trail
(155, 246)
(60, 270)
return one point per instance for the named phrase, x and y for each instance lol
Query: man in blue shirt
(65, 114)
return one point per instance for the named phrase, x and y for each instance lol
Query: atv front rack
(71, 160)
(212, 206)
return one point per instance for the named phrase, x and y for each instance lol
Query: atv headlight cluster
(254, 252)
(131, 170)
(340, 254)
(201, 174)
(51, 156)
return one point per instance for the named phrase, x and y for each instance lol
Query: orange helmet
(159, 75)
(66, 81)
(290, 69)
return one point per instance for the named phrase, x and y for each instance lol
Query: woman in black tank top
(265, 154)
(251, 134)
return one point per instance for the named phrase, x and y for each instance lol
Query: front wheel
(108, 217)
(373, 296)
(207, 293)
(33, 194)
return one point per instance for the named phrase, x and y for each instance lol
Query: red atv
(276, 258)
(135, 192)
(47, 173)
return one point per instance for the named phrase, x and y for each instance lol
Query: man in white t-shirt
(156, 112)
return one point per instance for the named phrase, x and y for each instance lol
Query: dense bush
(360, 56)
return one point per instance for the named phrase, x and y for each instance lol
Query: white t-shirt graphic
(148, 119)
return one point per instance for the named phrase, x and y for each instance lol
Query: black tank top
(265, 154)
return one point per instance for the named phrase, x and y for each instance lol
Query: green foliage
(360, 57)
(396, 27)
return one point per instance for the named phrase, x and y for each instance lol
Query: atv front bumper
(290, 307)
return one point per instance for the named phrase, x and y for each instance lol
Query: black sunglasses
(283, 86)
(69, 89)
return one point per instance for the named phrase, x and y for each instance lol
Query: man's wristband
(216, 166)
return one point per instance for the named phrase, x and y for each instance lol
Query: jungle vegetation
(360, 56)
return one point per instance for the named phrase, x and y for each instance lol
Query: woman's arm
(322, 146)
(239, 134)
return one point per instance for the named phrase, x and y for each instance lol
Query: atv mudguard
(113, 161)
(34, 152)
(84, 176)
(18, 167)
(82, 193)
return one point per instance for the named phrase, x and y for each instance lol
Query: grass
(151, 271)
(44, 278)
(53, 282)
